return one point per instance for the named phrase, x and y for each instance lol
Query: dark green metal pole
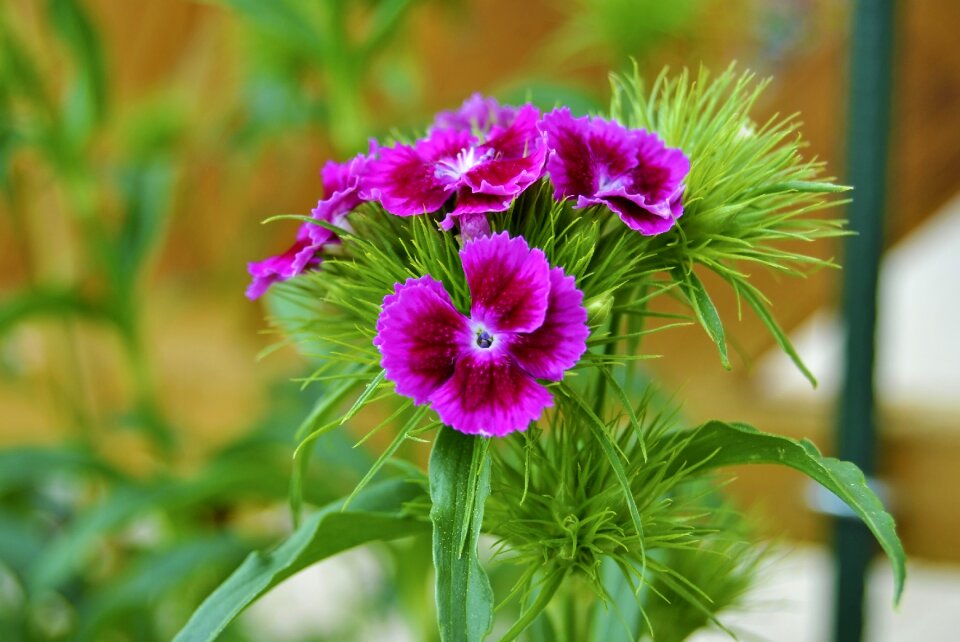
(869, 125)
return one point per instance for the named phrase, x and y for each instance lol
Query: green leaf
(459, 485)
(309, 432)
(21, 540)
(73, 547)
(21, 467)
(402, 434)
(49, 301)
(810, 187)
(224, 480)
(753, 297)
(547, 590)
(599, 430)
(287, 21)
(376, 514)
(716, 444)
(147, 188)
(706, 312)
(150, 577)
(86, 103)
(327, 402)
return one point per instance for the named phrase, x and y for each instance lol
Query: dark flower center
(484, 339)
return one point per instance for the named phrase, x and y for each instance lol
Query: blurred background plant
(123, 520)
(145, 451)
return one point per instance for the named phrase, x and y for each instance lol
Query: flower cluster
(527, 321)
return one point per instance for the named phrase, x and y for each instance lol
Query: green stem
(148, 409)
(633, 344)
(608, 350)
(574, 605)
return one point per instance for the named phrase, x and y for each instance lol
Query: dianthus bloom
(484, 170)
(342, 185)
(630, 171)
(479, 373)
(478, 113)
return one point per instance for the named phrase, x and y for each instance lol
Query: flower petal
(519, 137)
(557, 345)
(506, 176)
(470, 203)
(659, 170)
(404, 179)
(649, 220)
(473, 226)
(342, 184)
(477, 113)
(489, 395)
(509, 283)
(585, 152)
(420, 336)
(630, 171)
(303, 254)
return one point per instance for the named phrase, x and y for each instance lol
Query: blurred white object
(792, 603)
(918, 314)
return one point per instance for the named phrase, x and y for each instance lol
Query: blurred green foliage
(313, 62)
(88, 549)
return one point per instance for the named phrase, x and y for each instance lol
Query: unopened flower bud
(598, 308)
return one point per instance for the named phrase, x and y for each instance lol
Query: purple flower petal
(585, 152)
(639, 217)
(420, 336)
(506, 176)
(342, 184)
(478, 113)
(630, 171)
(519, 137)
(509, 283)
(415, 180)
(659, 171)
(303, 254)
(472, 226)
(557, 345)
(489, 395)
(406, 179)
(470, 204)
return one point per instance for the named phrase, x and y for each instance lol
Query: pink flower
(484, 175)
(478, 113)
(479, 372)
(342, 185)
(630, 171)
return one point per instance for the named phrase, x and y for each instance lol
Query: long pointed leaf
(377, 514)
(751, 297)
(547, 591)
(706, 312)
(459, 485)
(599, 431)
(717, 444)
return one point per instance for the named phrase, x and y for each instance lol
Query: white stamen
(454, 168)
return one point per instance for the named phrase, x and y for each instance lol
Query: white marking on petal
(454, 168)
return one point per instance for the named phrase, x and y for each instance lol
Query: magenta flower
(478, 113)
(485, 174)
(630, 171)
(342, 185)
(479, 373)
